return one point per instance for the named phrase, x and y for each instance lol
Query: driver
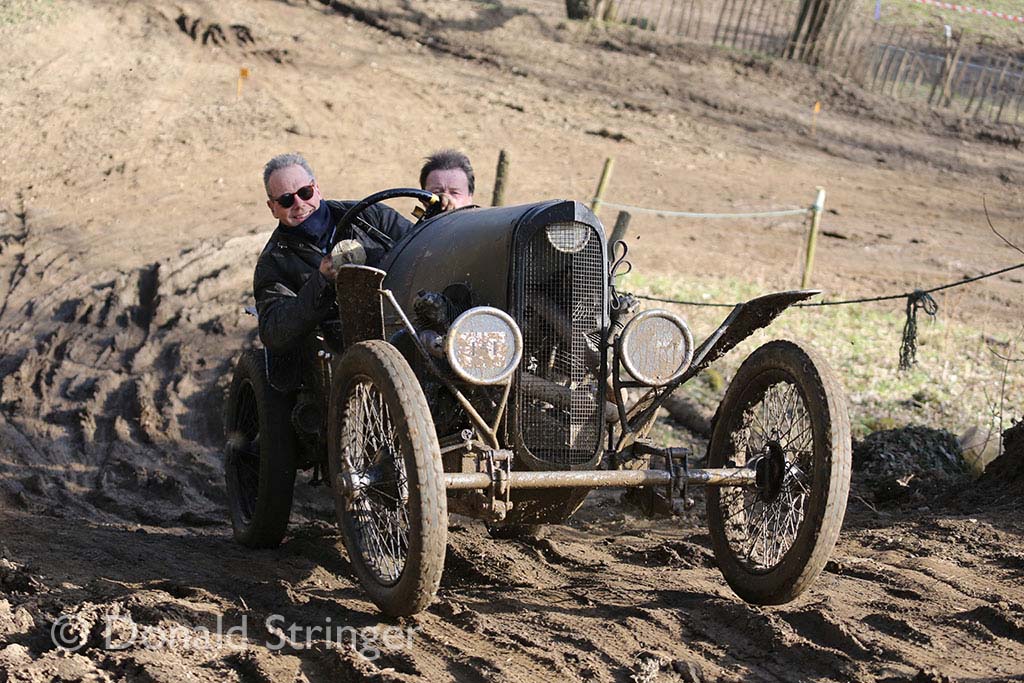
(294, 279)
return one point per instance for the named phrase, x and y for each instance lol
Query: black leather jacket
(292, 296)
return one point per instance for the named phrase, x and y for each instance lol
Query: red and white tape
(972, 10)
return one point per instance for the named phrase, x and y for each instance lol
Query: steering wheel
(354, 215)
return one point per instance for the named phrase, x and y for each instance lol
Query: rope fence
(690, 214)
(812, 212)
(918, 299)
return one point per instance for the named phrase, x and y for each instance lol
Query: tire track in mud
(590, 625)
(114, 378)
(598, 624)
(920, 607)
(13, 232)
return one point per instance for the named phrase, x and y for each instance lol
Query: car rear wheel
(259, 455)
(387, 479)
(785, 415)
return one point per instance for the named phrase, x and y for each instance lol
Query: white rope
(689, 214)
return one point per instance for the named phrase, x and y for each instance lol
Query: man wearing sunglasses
(294, 279)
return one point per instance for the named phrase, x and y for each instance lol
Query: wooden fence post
(602, 184)
(812, 237)
(949, 73)
(619, 231)
(961, 73)
(500, 176)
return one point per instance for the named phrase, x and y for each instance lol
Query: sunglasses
(286, 200)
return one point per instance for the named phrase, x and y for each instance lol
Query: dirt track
(130, 216)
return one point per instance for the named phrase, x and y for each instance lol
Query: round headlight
(484, 345)
(568, 238)
(656, 347)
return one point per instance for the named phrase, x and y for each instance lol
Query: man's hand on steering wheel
(447, 203)
(327, 268)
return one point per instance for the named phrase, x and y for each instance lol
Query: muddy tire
(387, 479)
(259, 455)
(785, 413)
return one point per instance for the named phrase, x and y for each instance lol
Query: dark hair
(446, 160)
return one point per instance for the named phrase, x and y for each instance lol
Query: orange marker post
(243, 74)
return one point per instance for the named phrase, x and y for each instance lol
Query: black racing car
(484, 368)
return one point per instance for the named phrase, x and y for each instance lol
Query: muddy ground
(131, 214)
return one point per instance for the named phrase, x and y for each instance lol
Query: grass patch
(15, 14)
(957, 383)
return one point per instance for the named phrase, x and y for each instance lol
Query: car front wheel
(387, 479)
(785, 416)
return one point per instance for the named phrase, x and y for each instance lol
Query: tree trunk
(578, 9)
(803, 43)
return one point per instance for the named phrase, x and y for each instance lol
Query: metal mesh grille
(560, 390)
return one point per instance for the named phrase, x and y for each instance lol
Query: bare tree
(814, 20)
(579, 9)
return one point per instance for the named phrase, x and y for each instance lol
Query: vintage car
(486, 368)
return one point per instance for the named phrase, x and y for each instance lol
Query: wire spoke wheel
(259, 454)
(379, 504)
(784, 416)
(387, 479)
(776, 436)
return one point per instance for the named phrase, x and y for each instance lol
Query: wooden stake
(900, 71)
(741, 19)
(949, 73)
(602, 184)
(978, 81)
(960, 71)
(619, 231)
(812, 237)
(993, 116)
(500, 176)
(992, 83)
(726, 6)
(1009, 100)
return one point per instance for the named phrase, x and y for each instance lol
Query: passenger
(449, 174)
(294, 279)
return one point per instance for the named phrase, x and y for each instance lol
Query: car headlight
(568, 238)
(484, 345)
(656, 347)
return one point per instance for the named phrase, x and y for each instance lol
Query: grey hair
(284, 161)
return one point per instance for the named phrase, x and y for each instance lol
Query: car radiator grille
(560, 390)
